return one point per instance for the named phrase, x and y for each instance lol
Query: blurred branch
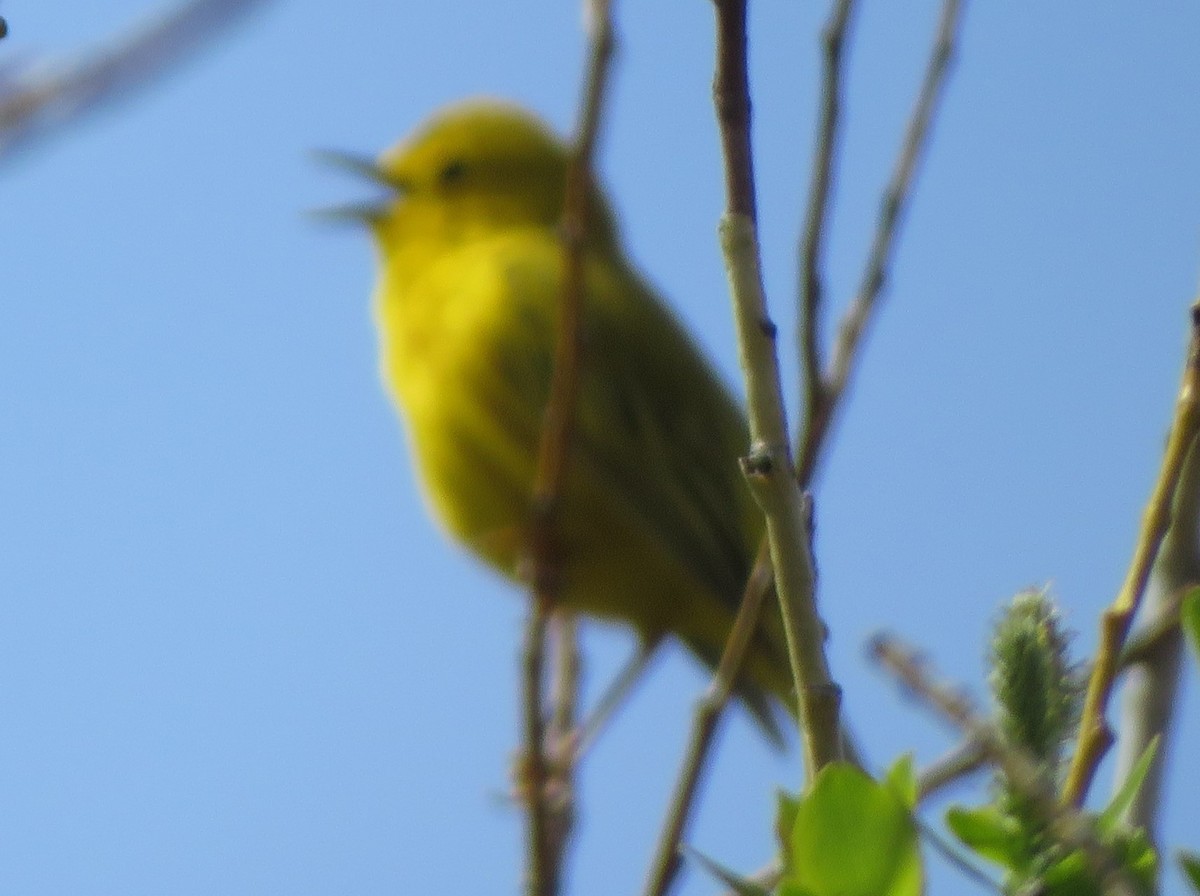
(817, 218)
(551, 819)
(819, 413)
(36, 102)
(961, 762)
(1153, 654)
(1065, 823)
(1095, 737)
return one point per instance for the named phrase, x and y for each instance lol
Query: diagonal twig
(35, 103)
(665, 864)
(1095, 737)
(812, 287)
(819, 415)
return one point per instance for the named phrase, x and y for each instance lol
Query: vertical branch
(542, 871)
(550, 821)
(895, 202)
(817, 217)
(1095, 737)
(768, 467)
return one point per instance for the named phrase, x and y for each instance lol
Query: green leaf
(1069, 877)
(1189, 617)
(731, 879)
(992, 834)
(1111, 816)
(1136, 854)
(1130, 850)
(902, 778)
(1189, 862)
(853, 836)
(1132, 853)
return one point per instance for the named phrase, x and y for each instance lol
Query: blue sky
(235, 656)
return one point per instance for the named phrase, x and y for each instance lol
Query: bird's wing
(655, 427)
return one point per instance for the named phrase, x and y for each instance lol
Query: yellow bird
(658, 529)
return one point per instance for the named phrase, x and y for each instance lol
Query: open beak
(366, 169)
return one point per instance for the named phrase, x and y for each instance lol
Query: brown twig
(542, 873)
(550, 821)
(816, 219)
(1095, 737)
(1065, 823)
(819, 416)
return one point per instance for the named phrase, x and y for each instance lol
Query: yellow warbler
(657, 528)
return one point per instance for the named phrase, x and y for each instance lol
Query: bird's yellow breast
(449, 327)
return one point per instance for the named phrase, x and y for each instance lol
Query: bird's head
(476, 165)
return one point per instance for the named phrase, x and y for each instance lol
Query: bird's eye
(453, 172)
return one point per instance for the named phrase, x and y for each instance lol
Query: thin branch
(665, 864)
(613, 698)
(1153, 654)
(817, 217)
(1162, 622)
(1065, 823)
(955, 857)
(560, 733)
(896, 197)
(36, 104)
(961, 762)
(732, 100)
(768, 468)
(542, 874)
(550, 821)
(1095, 736)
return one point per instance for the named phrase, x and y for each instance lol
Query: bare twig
(1095, 737)
(1064, 822)
(614, 696)
(550, 821)
(817, 217)
(778, 492)
(768, 467)
(819, 416)
(665, 864)
(542, 873)
(35, 103)
(560, 733)
(1153, 653)
(964, 760)
(955, 857)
